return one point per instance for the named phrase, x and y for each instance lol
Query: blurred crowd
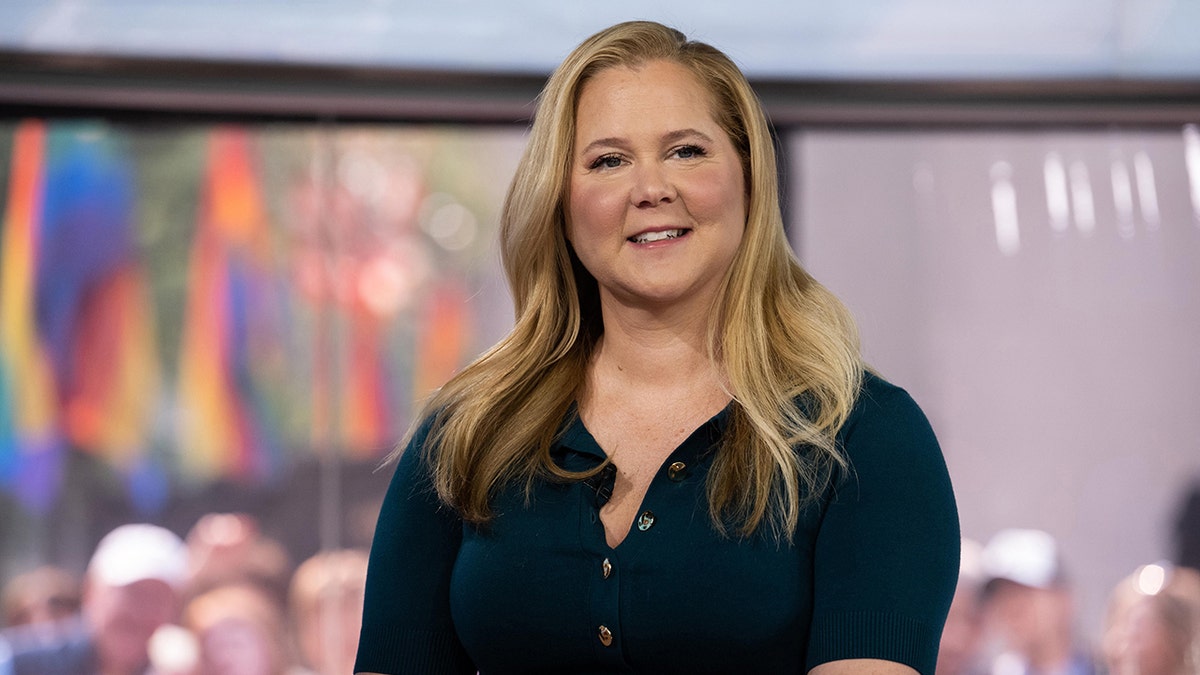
(224, 600)
(1014, 613)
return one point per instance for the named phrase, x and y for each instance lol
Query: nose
(652, 186)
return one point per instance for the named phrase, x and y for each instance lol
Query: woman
(674, 462)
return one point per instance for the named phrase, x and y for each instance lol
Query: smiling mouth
(661, 235)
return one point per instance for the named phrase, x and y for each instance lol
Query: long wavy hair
(787, 346)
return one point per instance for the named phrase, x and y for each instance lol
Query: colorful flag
(92, 305)
(112, 397)
(366, 406)
(230, 332)
(33, 447)
(443, 340)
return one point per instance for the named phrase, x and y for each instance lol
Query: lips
(658, 235)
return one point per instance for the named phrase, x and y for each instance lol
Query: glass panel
(200, 320)
(1039, 294)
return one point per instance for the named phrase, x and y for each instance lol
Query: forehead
(657, 93)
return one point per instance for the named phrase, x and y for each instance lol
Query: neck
(656, 349)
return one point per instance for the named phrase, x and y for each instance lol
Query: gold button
(605, 636)
(606, 568)
(676, 471)
(646, 521)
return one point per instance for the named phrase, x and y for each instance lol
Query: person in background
(1187, 528)
(239, 630)
(959, 652)
(46, 594)
(1152, 626)
(1029, 608)
(228, 548)
(131, 588)
(677, 461)
(326, 601)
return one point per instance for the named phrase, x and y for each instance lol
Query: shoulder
(889, 442)
(880, 400)
(414, 454)
(62, 648)
(886, 416)
(412, 461)
(422, 429)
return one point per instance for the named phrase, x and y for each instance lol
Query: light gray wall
(780, 38)
(1059, 367)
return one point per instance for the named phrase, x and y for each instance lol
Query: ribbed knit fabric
(873, 635)
(415, 651)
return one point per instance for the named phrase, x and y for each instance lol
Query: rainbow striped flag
(230, 336)
(32, 447)
(93, 307)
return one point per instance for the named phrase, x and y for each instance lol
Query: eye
(689, 152)
(605, 162)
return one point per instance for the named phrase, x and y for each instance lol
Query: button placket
(605, 613)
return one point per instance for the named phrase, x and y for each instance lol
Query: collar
(574, 436)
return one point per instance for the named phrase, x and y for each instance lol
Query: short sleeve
(887, 551)
(407, 627)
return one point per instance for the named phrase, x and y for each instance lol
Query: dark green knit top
(869, 574)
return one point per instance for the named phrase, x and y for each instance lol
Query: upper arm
(407, 626)
(887, 553)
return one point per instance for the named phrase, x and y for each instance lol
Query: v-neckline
(718, 418)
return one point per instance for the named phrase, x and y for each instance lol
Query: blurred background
(241, 240)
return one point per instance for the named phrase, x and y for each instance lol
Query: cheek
(593, 208)
(717, 194)
(738, 197)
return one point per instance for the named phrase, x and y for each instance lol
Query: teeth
(656, 236)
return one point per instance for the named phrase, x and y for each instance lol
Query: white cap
(1028, 557)
(970, 566)
(135, 552)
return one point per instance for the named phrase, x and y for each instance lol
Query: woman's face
(657, 199)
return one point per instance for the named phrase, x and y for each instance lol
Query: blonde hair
(787, 346)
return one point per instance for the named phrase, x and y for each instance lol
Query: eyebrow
(669, 137)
